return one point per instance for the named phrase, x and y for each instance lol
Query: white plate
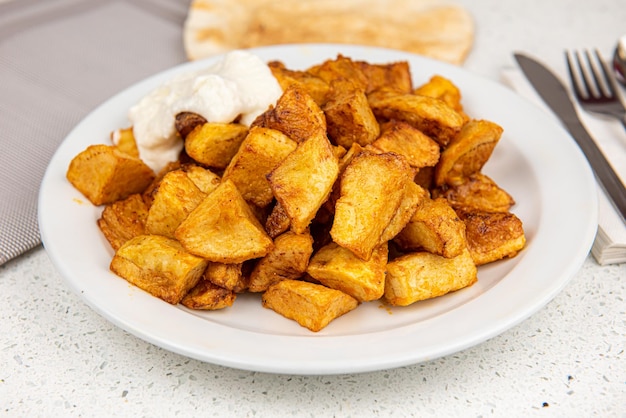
(536, 161)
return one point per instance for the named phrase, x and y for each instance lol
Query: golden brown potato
(402, 138)
(434, 227)
(395, 75)
(123, 220)
(186, 122)
(214, 144)
(287, 260)
(261, 152)
(431, 116)
(296, 115)
(124, 140)
(204, 179)
(173, 201)
(338, 268)
(209, 297)
(103, 174)
(158, 265)
(413, 196)
(277, 222)
(371, 189)
(422, 275)
(223, 228)
(311, 305)
(313, 85)
(304, 179)
(349, 117)
(439, 87)
(492, 236)
(227, 276)
(468, 152)
(341, 68)
(478, 192)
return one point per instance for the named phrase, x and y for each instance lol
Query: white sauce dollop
(241, 84)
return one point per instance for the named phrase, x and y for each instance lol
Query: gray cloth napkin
(59, 59)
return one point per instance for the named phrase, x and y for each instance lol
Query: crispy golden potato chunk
(371, 189)
(492, 236)
(304, 179)
(413, 196)
(203, 178)
(341, 68)
(402, 138)
(434, 227)
(422, 275)
(477, 191)
(103, 174)
(311, 305)
(468, 152)
(227, 276)
(172, 202)
(338, 268)
(185, 122)
(223, 228)
(277, 221)
(287, 260)
(123, 220)
(208, 297)
(124, 140)
(312, 84)
(395, 75)
(439, 87)
(158, 265)
(262, 151)
(431, 116)
(296, 114)
(349, 117)
(214, 144)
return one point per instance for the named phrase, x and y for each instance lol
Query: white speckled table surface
(60, 358)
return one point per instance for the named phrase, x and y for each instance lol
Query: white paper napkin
(610, 244)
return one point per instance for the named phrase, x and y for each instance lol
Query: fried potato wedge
(185, 122)
(371, 189)
(277, 221)
(124, 140)
(296, 114)
(349, 117)
(402, 138)
(492, 236)
(304, 179)
(214, 144)
(413, 196)
(311, 305)
(103, 174)
(312, 84)
(341, 68)
(227, 276)
(422, 275)
(395, 75)
(207, 296)
(158, 265)
(338, 268)
(223, 228)
(262, 151)
(434, 227)
(477, 192)
(123, 220)
(287, 260)
(172, 202)
(431, 116)
(203, 178)
(439, 87)
(468, 152)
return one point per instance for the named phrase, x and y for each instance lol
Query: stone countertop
(60, 358)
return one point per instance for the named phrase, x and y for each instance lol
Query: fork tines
(589, 82)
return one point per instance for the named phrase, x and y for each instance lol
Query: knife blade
(556, 96)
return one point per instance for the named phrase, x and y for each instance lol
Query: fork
(595, 90)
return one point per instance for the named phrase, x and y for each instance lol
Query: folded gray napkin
(59, 59)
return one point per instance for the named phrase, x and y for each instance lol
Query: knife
(556, 96)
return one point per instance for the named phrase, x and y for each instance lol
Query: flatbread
(433, 28)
